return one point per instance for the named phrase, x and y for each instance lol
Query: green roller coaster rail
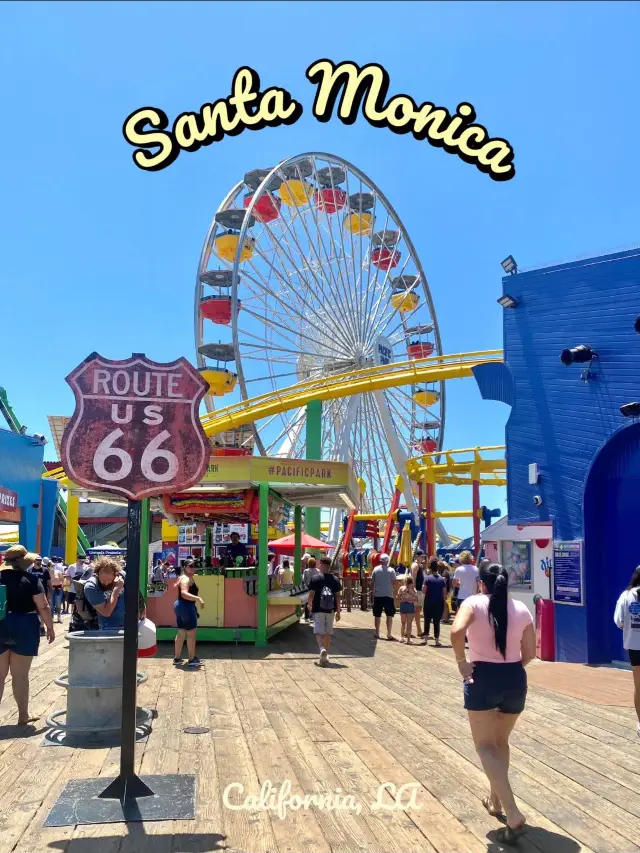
(15, 426)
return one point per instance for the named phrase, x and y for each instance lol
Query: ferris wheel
(312, 273)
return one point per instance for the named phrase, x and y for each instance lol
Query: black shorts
(20, 634)
(496, 687)
(634, 657)
(383, 602)
(186, 615)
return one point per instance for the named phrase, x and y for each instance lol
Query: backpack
(327, 600)
(82, 610)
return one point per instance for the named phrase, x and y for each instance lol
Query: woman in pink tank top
(501, 643)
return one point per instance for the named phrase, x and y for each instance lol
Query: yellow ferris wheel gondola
(405, 302)
(296, 192)
(359, 223)
(425, 397)
(226, 246)
(221, 381)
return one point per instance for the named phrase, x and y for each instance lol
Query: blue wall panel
(49, 503)
(557, 420)
(21, 471)
(571, 634)
(564, 424)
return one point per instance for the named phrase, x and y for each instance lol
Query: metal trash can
(94, 685)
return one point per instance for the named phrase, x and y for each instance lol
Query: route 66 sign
(136, 428)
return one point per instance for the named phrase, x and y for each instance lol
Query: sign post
(135, 431)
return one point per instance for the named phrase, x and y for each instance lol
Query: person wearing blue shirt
(104, 592)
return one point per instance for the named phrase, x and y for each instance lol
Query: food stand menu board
(568, 581)
(191, 534)
(221, 533)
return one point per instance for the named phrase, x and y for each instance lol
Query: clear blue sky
(97, 255)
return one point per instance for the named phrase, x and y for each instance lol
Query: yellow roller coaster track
(433, 369)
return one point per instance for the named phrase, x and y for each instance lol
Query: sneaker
(324, 657)
(195, 662)
(177, 661)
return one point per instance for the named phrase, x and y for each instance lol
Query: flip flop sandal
(486, 802)
(509, 835)
(392, 639)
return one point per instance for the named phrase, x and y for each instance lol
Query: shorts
(496, 686)
(383, 602)
(71, 597)
(407, 607)
(323, 623)
(420, 601)
(634, 657)
(186, 615)
(20, 634)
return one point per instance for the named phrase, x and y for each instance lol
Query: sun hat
(19, 556)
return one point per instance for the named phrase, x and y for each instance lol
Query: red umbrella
(288, 543)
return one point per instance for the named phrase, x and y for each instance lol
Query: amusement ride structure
(311, 301)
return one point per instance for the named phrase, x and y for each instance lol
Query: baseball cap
(384, 558)
(46, 561)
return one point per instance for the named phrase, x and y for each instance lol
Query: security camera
(630, 410)
(39, 438)
(537, 500)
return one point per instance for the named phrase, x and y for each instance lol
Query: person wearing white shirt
(627, 617)
(465, 577)
(74, 572)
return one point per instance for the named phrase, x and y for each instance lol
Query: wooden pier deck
(381, 713)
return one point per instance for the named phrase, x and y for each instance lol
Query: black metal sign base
(82, 802)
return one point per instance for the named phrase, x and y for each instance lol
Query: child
(408, 597)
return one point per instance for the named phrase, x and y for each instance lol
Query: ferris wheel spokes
(398, 455)
(319, 254)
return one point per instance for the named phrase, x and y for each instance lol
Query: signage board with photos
(191, 534)
(222, 532)
(516, 559)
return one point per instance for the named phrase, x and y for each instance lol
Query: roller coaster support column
(314, 451)
(348, 535)
(422, 519)
(395, 503)
(430, 502)
(263, 564)
(477, 545)
(297, 548)
(71, 534)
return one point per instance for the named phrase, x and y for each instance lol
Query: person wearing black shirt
(20, 629)
(40, 570)
(324, 603)
(187, 616)
(235, 549)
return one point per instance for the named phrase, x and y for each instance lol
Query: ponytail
(496, 580)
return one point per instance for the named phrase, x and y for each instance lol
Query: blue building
(25, 498)
(566, 420)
